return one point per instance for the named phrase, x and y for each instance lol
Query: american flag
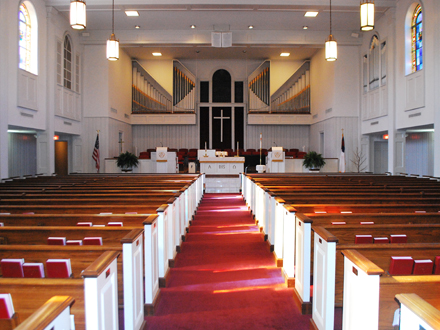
(95, 155)
(342, 157)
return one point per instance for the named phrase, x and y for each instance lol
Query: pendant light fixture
(113, 43)
(331, 46)
(78, 14)
(367, 15)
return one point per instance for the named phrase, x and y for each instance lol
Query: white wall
(22, 154)
(161, 71)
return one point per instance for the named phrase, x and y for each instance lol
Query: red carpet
(225, 277)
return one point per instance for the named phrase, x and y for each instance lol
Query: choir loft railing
(184, 89)
(259, 89)
(294, 95)
(148, 96)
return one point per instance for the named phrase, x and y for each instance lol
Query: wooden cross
(121, 143)
(221, 124)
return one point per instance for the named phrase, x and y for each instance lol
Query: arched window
(24, 44)
(67, 66)
(28, 38)
(416, 39)
(221, 86)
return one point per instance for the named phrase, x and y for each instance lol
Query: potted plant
(313, 161)
(126, 161)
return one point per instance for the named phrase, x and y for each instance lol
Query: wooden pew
(84, 308)
(380, 294)
(55, 312)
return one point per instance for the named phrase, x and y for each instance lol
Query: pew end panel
(151, 265)
(361, 292)
(133, 273)
(101, 292)
(303, 235)
(324, 269)
(289, 245)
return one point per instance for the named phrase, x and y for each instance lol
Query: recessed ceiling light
(157, 54)
(305, 27)
(311, 14)
(193, 26)
(131, 13)
(250, 27)
(137, 27)
(285, 54)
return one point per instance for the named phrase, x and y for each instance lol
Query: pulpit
(276, 161)
(166, 161)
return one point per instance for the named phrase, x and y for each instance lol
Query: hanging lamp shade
(331, 49)
(113, 48)
(367, 15)
(78, 14)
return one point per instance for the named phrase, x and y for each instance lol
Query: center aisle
(225, 277)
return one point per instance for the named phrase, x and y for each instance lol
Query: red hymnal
(401, 265)
(33, 269)
(398, 238)
(56, 241)
(423, 267)
(84, 224)
(339, 223)
(28, 213)
(74, 242)
(437, 265)
(12, 267)
(115, 224)
(366, 223)
(131, 213)
(6, 306)
(58, 268)
(381, 240)
(92, 241)
(363, 239)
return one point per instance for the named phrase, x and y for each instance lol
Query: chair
(144, 155)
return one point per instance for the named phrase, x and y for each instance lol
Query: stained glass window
(67, 63)
(24, 43)
(417, 40)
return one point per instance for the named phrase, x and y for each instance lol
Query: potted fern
(313, 161)
(126, 161)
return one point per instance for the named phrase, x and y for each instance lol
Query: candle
(237, 146)
(205, 146)
(261, 140)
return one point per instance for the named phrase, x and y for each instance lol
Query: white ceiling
(278, 26)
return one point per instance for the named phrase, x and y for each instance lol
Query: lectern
(276, 161)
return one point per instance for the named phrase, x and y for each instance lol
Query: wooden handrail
(303, 217)
(421, 308)
(363, 263)
(325, 234)
(162, 208)
(289, 208)
(97, 267)
(44, 315)
(132, 236)
(150, 219)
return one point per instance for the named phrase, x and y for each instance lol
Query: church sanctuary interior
(163, 147)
